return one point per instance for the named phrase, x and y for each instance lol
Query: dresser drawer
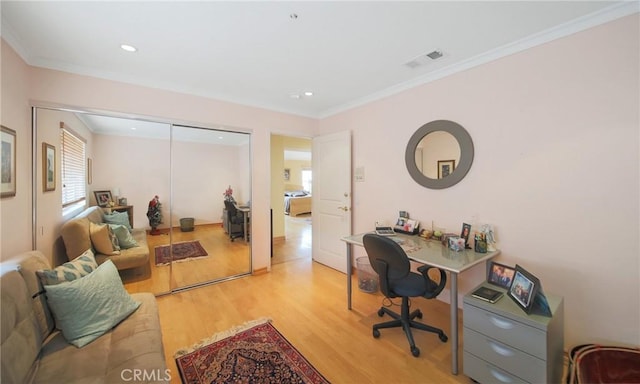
(521, 336)
(486, 373)
(510, 359)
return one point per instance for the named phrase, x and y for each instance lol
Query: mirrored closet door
(171, 181)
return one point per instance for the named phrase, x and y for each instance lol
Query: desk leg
(348, 276)
(454, 322)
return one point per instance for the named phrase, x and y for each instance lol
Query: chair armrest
(433, 288)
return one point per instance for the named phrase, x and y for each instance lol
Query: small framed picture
(48, 167)
(464, 233)
(122, 201)
(445, 168)
(8, 171)
(523, 289)
(103, 198)
(500, 275)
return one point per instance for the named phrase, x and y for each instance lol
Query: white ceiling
(128, 127)
(258, 54)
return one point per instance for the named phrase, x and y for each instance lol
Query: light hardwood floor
(225, 258)
(307, 304)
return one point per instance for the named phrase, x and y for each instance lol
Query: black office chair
(392, 265)
(235, 221)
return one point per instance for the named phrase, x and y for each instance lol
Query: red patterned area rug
(254, 352)
(183, 251)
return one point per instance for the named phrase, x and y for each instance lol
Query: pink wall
(15, 212)
(47, 87)
(556, 169)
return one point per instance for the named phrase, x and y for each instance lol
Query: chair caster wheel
(443, 337)
(380, 312)
(376, 333)
(415, 351)
(419, 315)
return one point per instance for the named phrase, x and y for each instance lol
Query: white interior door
(331, 198)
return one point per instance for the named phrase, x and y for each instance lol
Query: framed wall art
(8, 169)
(103, 198)
(445, 168)
(48, 167)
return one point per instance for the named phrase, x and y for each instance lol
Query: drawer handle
(501, 323)
(500, 376)
(500, 350)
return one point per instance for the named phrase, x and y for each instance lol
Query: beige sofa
(76, 237)
(33, 351)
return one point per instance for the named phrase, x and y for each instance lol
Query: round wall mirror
(439, 154)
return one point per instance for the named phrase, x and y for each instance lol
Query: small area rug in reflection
(184, 251)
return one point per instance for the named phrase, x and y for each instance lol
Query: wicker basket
(186, 224)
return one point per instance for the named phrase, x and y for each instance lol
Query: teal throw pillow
(72, 270)
(125, 239)
(87, 308)
(121, 218)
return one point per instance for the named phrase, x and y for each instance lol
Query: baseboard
(279, 240)
(260, 271)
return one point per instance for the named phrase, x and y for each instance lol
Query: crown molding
(603, 16)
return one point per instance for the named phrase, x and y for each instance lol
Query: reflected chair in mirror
(235, 221)
(392, 265)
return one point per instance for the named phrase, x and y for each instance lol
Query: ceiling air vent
(424, 59)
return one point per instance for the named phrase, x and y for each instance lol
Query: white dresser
(502, 344)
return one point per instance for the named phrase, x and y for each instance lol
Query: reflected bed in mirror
(439, 154)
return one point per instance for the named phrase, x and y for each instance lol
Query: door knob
(345, 208)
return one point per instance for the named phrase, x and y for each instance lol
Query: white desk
(432, 253)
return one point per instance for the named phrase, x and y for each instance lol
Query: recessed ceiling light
(308, 93)
(128, 48)
(133, 128)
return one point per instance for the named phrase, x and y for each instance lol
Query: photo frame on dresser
(500, 274)
(526, 292)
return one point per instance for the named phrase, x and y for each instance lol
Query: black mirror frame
(466, 154)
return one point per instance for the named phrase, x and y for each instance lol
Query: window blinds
(73, 167)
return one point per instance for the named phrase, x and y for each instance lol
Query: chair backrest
(391, 262)
(387, 258)
(231, 208)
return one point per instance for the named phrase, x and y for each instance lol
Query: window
(73, 168)
(306, 179)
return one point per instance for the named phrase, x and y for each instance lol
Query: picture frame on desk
(122, 201)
